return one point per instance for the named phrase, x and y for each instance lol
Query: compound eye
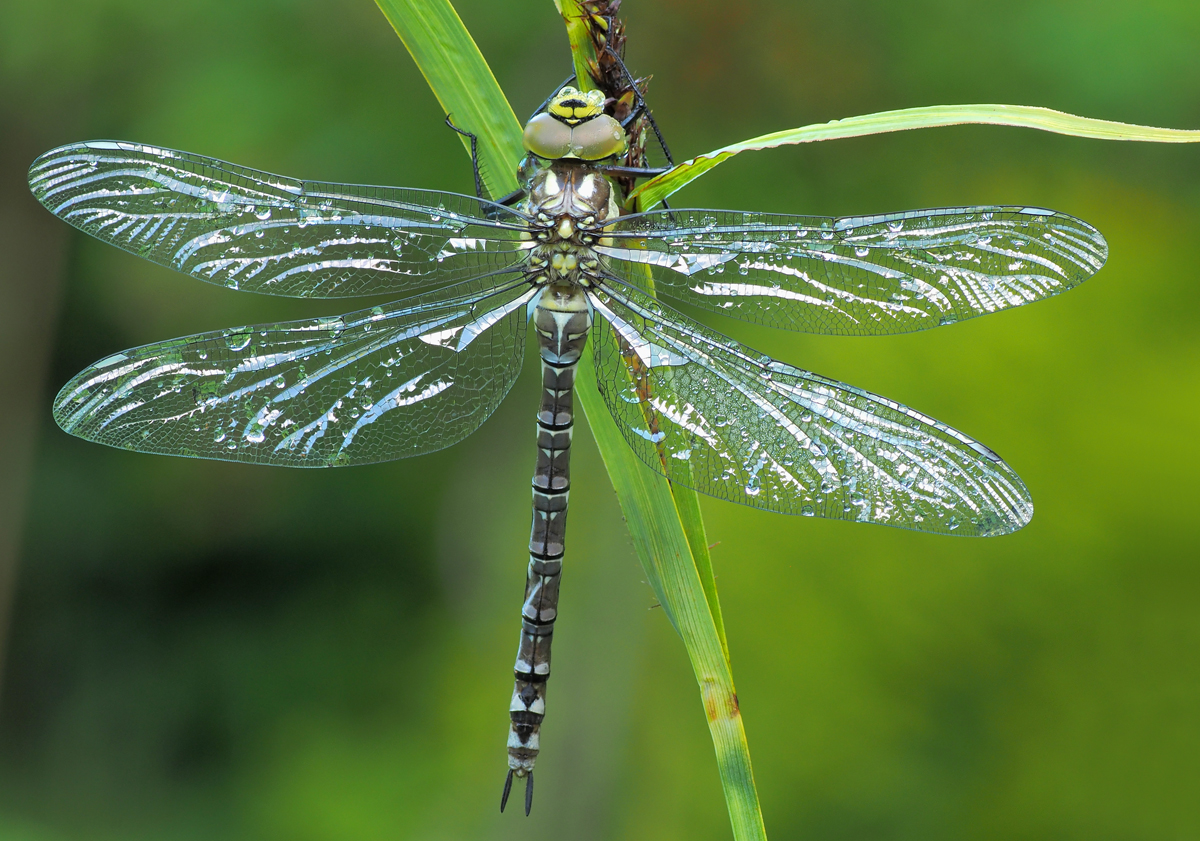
(598, 138)
(547, 137)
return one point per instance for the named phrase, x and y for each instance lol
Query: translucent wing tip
(74, 408)
(1011, 505)
(66, 164)
(1015, 518)
(1092, 244)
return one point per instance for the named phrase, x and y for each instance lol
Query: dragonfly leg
(509, 200)
(616, 171)
(474, 154)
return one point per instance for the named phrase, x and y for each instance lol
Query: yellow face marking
(573, 106)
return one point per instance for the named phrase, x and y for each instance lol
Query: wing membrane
(716, 416)
(251, 230)
(863, 275)
(384, 383)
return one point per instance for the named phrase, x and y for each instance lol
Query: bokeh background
(196, 650)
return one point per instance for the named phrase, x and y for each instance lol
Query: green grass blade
(655, 190)
(687, 506)
(668, 534)
(447, 55)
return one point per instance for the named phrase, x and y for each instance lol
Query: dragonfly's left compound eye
(599, 138)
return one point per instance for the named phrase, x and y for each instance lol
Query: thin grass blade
(651, 193)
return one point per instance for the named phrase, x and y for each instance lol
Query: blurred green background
(196, 650)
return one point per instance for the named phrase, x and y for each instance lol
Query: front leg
(509, 200)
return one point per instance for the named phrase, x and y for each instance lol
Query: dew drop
(237, 340)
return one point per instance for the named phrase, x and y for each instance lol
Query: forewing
(718, 417)
(862, 275)
(251, 230)
(384, 383)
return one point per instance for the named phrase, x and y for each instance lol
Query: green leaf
(651, 193)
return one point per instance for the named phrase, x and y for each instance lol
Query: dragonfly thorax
(570, 191)
(569, 202)
(562, 263)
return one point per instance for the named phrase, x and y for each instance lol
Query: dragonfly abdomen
(562, 320)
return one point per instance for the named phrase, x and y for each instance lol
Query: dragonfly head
(574, 125)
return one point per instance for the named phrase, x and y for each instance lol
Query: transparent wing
(251, 230)
(384, 383)
(862, 275)
(718, 417)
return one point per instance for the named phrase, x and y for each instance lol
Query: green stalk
(583, 56)
(579, 25)
(664, 521)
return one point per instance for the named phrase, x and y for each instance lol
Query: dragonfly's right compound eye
(599, 138)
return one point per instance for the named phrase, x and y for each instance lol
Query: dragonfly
(471, 275)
